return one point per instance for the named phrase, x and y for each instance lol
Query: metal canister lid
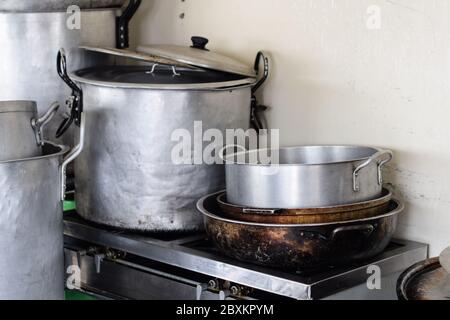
(18, 106)
(426, 280)
(196, 56)
(199, 56)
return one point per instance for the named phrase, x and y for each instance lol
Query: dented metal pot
(31, 224)
(127, 176)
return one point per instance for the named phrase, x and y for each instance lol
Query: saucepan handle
(366, 229)
(72, 155)
(39, 123)
(381, 158)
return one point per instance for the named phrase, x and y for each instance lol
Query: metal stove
(119, 264)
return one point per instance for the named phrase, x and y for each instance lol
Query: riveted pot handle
(366, 229)
(75, 101)
(381, 158)
(122, 24)
(257, 110)
(39, 123)
(72, 155)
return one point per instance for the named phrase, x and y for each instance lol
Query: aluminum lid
(199, 56)
(125, 53)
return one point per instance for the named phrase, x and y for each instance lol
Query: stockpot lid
(197, 56)
(18, 106)
(165, 73)
(56, 5)
(160, 77)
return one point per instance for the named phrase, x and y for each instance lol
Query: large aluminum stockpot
(30, 41)
(305, 177)
(21, 129)
(31, 227)
(126, 177)
(299, 246)
(55, 5)
(31, 224)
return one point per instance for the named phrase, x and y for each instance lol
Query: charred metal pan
(426, 280)
(360, 210)
(299, 246)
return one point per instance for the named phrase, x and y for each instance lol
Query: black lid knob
(199, 43)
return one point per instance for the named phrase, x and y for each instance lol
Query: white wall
(335, 81)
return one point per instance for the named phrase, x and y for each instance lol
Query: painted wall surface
(369, 72)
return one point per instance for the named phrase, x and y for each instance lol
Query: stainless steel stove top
(193, 254)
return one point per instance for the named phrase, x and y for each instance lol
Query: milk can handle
(39, 123)
(380, 164)
(72, 155)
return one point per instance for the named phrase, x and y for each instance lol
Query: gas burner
(187, 266)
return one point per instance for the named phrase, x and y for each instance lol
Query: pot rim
(62, 151)
(386, 194)
(200, 207)
(213, 86)
(226, 162)
(16, 106)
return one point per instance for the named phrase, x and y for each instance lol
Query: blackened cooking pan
(299, 246)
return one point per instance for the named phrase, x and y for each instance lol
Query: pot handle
(122, 24)
(257, 121)
(368, 229)
(72, 155)
(375, 158)
(39, 123)
(75, 101)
